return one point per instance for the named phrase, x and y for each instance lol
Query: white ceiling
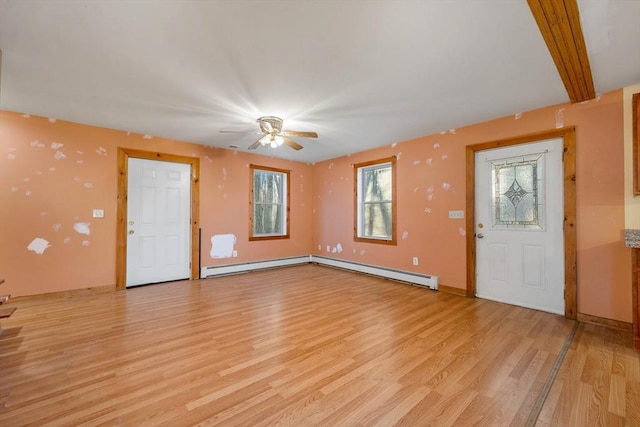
(362, 73)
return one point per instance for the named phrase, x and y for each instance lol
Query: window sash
(269, 213)
(375, 207)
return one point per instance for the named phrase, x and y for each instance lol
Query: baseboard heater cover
(424, 280)
(246, 267)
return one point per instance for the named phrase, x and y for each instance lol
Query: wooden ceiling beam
(559, 24)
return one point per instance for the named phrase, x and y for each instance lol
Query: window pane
(377, 184)
(377, 220)
(268, 219)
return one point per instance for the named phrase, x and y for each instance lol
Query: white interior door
(519, 225)
(159, 222)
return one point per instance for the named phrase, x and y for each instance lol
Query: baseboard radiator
(246, 267)
(424, 280)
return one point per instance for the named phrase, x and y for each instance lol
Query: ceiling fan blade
(255, 144)
(291, 143)
(298, 133)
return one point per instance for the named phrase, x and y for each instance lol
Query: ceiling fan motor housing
(275, 122)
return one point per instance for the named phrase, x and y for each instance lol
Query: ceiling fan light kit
(274, 136)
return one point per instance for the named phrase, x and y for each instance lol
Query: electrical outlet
(415, 260)
(98, 213)
(456, 214)
(234, 253)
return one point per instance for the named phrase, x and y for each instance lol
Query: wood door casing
(569, 192)
(121, 222)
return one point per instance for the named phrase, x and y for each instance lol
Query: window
(375, 201)
(269, 215)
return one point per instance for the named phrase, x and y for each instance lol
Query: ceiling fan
(273, 135)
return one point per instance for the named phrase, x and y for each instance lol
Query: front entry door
(159, 221)
(519, 225)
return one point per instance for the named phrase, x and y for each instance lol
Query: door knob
(479, 235)
(131, 231)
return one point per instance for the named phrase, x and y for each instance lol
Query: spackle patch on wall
(38, 245)
(559, 118)
(101, 151)
(405, 235)
(56, 145)
(222, 245)
(82, 228)
(59, 155)
(462, 231)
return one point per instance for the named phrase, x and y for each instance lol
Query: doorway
(567, 228)
(126, 255)
(519, 215)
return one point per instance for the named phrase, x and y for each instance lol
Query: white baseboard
(213, 271)
(428, 281)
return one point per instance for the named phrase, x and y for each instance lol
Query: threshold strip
(537, 407)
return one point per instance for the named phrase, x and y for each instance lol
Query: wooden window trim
(394, 203)
(287, 173)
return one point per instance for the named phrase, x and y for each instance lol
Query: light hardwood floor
(302, 346)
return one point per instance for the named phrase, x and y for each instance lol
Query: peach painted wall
(54, 173)
(431, 181)
(42, 194)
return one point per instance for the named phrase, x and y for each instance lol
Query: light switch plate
(456, 214)
(98, 213)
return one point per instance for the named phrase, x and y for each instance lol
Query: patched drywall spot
(37, 144)
(59, 155)
(518, 116)
(443, 132)
(430, 197)
(462, 231)
(444, 157)
(559, 118)
(405, 235)
(52, 120)
(416, 162)
(328, 248)
(394, 145)
(14, 189)
(82, 227)
(85, 243)
(224, 174)
(339, 247)
(427, 210)
(66, 240)
(25, 116)
(415, 189)
(399, 155)
(28, 193)
(101, 151)
(222, 245)
(436, 145)
(56, 145)
(147, 137)
(446, 186)
(330, 166)
(362, 252)
(57, 226)
(52, 169)
(88, 185)
(429, 161)
(38, 245)
(452, 131)
(208, 159)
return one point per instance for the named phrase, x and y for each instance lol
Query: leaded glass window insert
(517, 186)
(269, 201)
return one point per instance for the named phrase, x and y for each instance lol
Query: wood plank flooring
(305, 346)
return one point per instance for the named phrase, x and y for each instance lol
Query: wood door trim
(569, 195)
(121, 224)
